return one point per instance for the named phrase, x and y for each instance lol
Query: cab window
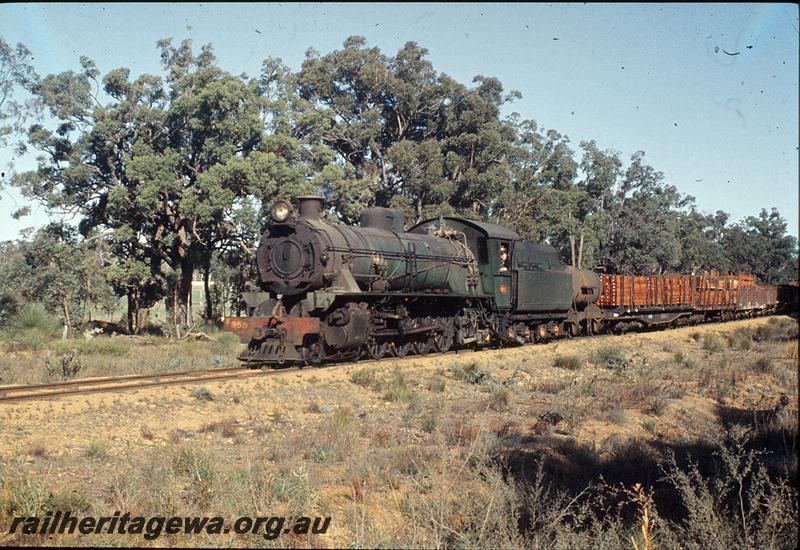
(504, 262)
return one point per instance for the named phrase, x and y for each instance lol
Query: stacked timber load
(709, 290)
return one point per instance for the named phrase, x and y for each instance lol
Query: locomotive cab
(519, 275)
(493, 247)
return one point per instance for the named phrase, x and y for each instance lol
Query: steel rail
(109, 379)
(123, 383)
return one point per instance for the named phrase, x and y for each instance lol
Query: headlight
(280, 211)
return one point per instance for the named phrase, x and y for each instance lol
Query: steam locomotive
(332, 291)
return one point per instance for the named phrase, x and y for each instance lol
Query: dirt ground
(668, 392)
(68, 424)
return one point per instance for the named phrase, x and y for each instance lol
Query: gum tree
(164, 166)
(404, 134)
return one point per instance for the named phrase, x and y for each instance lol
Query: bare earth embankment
(536, 446)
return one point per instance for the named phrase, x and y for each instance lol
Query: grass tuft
(659, 405)
(203, 394)
(366, 378)
(611, 357)
(437, 385)
(617, 416)
(501, 397)
(569, 362)
(97, 450)
(472, 373)
(397, 388)
(764, 365)
(713, 343)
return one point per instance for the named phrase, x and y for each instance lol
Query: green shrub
(294, 488)
(276, 416)
(397, 388)
(95, 346)
(366, 378)
(437, 385)
(31, 328)
(614, 443)
(617, 416)
(340, 421)
(569, 362)
(201, 471)
(611, 357)
(777, 329)
(428, 421)
(74, 500)
(473, 373)
(763, 365)
(501, 396)
(690, 363)
(744, 344)
(203, 394)
(97, 450)
(25, 498)
(226, 341)
(659, 405)
(713, 343)
(741, 340)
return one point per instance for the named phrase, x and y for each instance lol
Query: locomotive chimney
(311, 206)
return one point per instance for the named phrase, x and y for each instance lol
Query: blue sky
(723, 128)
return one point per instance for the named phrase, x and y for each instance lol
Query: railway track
(10, 394)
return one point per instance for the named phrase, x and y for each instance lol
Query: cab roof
(489, 230)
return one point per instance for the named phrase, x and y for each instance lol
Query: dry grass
(652, 442)
(106, 356)
(569, 362)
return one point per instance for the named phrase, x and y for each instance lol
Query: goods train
(330, 291)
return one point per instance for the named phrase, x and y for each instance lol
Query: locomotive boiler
(304, 253)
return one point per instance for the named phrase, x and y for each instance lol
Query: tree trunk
(207, 292)
(67, 320)
(189, 314)
(171, 304)
(133, 312)
(572, 250)
(88, 301)
(178, 297)
(142, 318)
(580, 251)
(185, 292)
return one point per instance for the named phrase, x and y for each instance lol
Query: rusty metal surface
(297, 327)
(294, 328)
(246, 327)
